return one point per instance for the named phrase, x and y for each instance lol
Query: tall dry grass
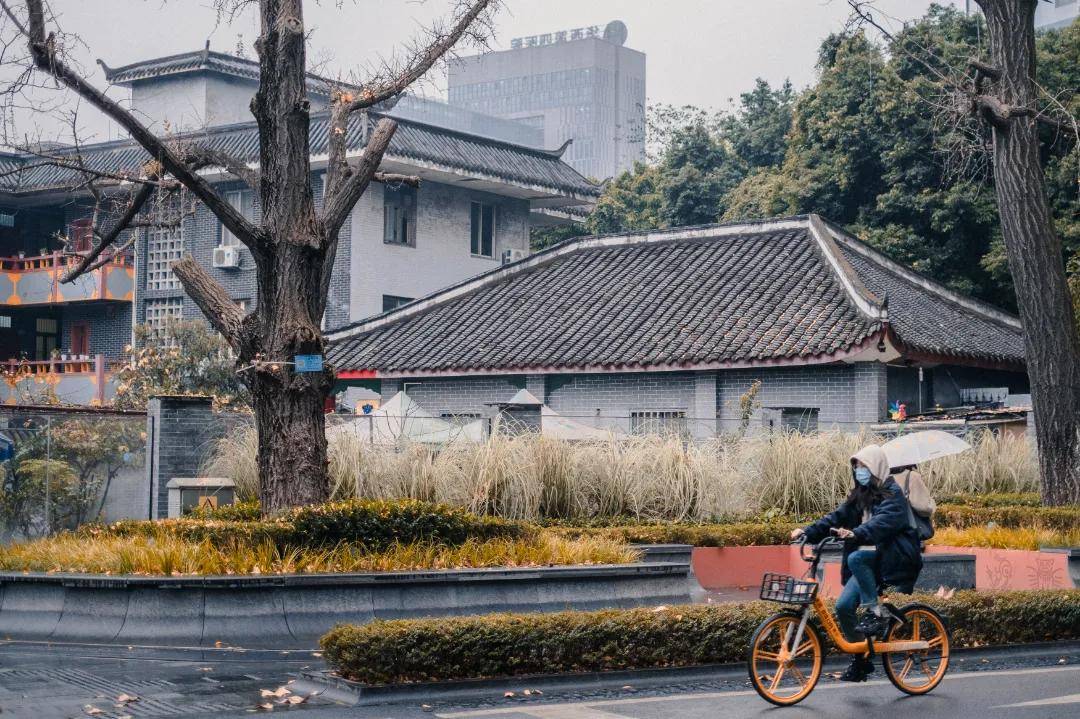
(649, 477)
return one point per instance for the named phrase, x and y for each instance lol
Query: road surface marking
(1068, 699)
(586, 710)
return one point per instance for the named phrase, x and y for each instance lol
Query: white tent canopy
(400, 419)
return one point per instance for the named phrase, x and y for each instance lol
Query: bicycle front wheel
(918, 672)
(782, 673)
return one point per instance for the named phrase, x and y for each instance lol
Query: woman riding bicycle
(880, 548)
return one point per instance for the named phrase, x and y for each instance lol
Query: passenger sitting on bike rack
(880, 549)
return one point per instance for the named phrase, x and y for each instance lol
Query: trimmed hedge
(516, 644)
(1061, 519)
(736, 534)
(995, 499)
(374, 524)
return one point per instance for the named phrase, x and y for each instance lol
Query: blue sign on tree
(309, 363)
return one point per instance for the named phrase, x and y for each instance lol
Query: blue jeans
(861, 588)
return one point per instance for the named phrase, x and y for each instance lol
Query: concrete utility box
(187, 493)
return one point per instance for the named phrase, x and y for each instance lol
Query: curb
(353, 693)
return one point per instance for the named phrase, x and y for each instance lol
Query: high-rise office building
(581, 84)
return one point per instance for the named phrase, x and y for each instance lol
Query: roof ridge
(567, 247)
(985, 309)
(864, 300)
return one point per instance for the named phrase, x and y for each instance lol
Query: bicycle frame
(832, 627)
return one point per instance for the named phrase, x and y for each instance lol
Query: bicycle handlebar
(816, 552)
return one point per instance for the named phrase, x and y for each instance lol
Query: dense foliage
(518, 644)
(186, 358)
(372, 524)
(870, 145)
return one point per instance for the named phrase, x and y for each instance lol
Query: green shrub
(373, 524)
(1062, 519)
(735, 534)
(379, 523)
(240, 512)
(995, 499)
(515, 644)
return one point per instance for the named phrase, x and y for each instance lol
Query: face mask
(862, 475)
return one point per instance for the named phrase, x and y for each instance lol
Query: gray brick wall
(110, 327)
(846, 396)
(179, 432)
(456, 394)
(606, 400)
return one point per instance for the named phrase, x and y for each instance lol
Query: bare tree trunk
(1034, 251)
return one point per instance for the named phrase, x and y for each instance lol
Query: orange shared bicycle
(786, 651)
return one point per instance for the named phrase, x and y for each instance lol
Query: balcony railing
(84, 379)
(36, 280)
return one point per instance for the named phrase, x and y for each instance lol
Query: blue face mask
(862, 476)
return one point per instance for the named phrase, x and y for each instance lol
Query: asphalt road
(48, 683)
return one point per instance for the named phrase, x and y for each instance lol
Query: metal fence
(62, 469)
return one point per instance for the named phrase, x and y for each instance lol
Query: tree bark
(1034, 253)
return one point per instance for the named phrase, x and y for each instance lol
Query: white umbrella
(919, 447)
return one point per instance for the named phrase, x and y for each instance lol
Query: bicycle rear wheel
(781, 673)
(918, 672)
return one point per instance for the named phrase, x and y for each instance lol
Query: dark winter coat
(899, 559)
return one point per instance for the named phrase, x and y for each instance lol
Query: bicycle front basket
(787, 589)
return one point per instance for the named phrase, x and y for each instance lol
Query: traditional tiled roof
(198, 61)
(413, 143)
(789, 291)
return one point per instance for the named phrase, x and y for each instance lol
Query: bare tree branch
(135, 205)
(46, 58)
(423, 62)
(211, 298)
(354, 182)
(393, 178)
(209, 157)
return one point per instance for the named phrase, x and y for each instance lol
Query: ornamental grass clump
(650, 478)
(164, 553)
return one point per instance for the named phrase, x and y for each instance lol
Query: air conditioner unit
(227, 257)
(513, 255)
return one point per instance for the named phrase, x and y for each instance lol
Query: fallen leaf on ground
(125, 698)
(661, 608)
(91, 709)
(425, 707)
(507, 695)
(266, 707)
(296, 699)
(835, 675)
(1063, 660)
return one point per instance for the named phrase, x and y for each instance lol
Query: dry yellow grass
(649, 477)
(166, 555)
(1005, 538)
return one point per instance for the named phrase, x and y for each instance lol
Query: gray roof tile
(755, 293)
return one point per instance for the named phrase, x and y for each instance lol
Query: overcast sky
(701, 52)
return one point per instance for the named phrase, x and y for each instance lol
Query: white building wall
(1056, 14)
(441, 256)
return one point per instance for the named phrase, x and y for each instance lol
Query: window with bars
(399, 215)
(244, 201)
(159, 312)
(164, 245)
(482, 225)
(799, 419)
(672, 421)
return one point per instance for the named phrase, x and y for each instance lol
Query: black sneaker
(857, 671)
(872, 625)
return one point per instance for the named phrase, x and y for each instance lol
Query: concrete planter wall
(293, 611)
(957, 567)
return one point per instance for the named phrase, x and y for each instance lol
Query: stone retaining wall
(293, 611)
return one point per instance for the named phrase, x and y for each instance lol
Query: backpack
(918, 521)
